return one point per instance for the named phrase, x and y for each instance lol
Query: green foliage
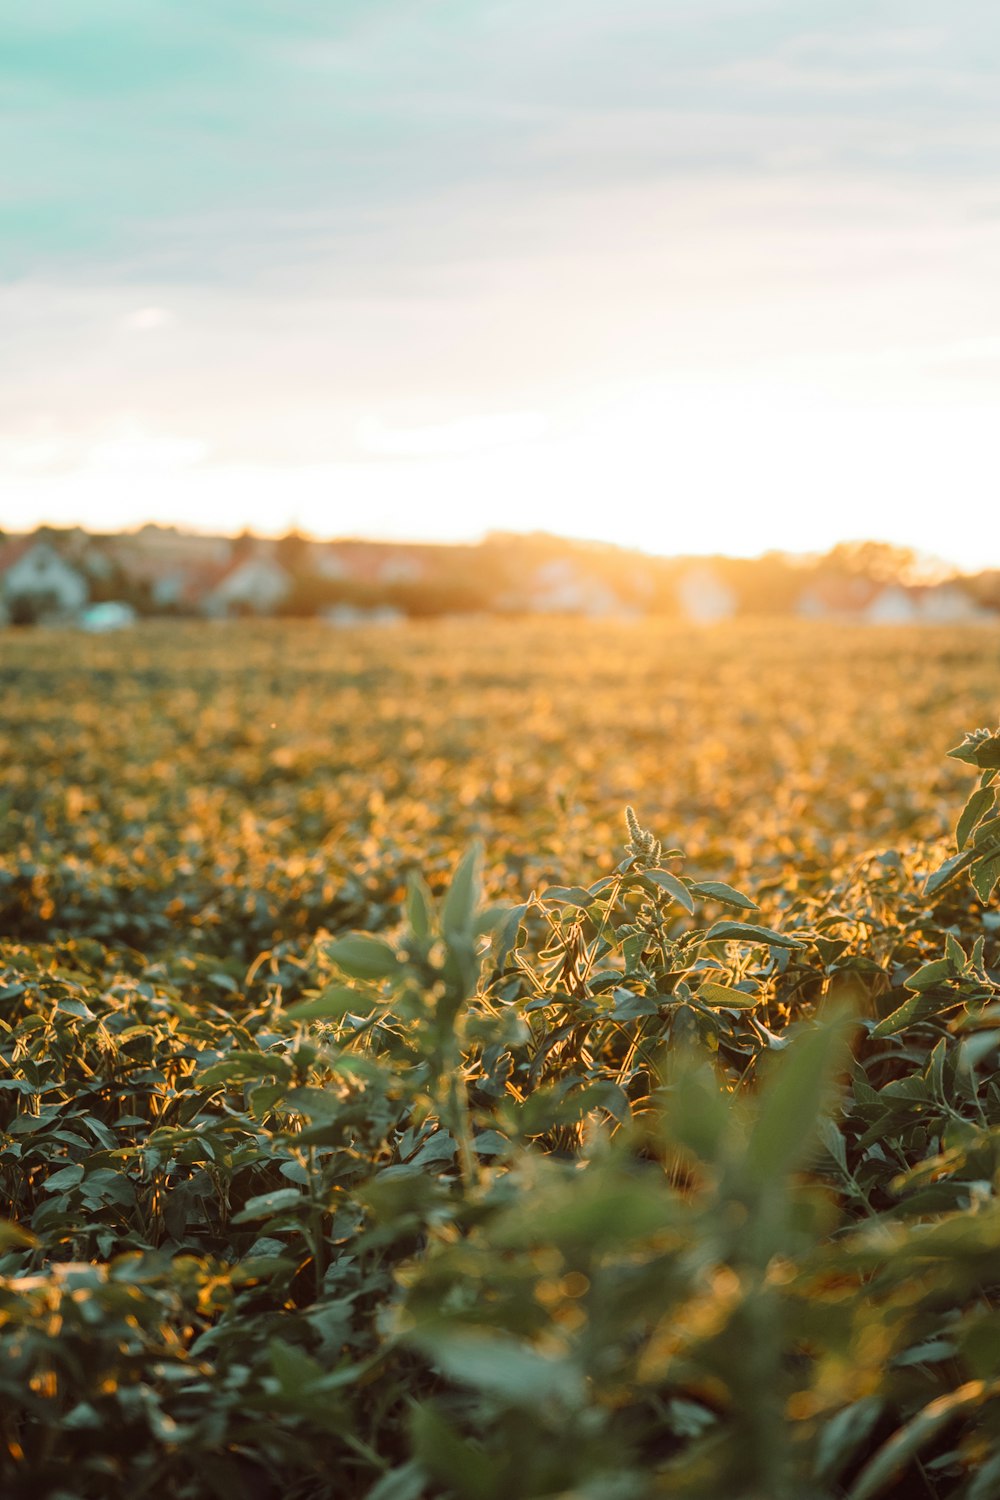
(978, 832)
(602, 1191)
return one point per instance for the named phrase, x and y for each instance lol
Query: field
(382, 1116)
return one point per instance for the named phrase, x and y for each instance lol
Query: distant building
(38, 584)
(949, 604)
(938, 604)
(255, 586)
(703, 597)
(369, 563)
(561, 587)
(836, 597)
(170, 570)
(893, 605)
(329, 562)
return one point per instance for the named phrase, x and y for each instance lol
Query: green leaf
(916, 1008)
(748, 932)
(440, 1147)
(240, 1067)
(362, 956)
(717, 890)
(985, 875)
(506, 937)
(955, 953)
(225, 982)
(568, 895)
(791, 1103)
(698, 1114)
(419, 907)
(929, 975)
(460, 1466)
(723, 995)
(294, 1369)
(894, 1456)
(597, 1212)
(76, 1008)
(986, 1480)
(987, 833)
(406, 1483)
(833, 1140)
(13, 1235)
(491, 1143)
(674, 887)
(266, 1204)
(62, 1181)
(843, 1435)
(503, 1367)
(979, 749)
(331, 1005)
(462, 900)
(315, 1104)
(975, 809)
(947, 872)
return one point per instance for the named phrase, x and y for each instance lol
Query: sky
(711, 276)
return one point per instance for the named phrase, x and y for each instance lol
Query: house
(38, 584)
(330, 563)
(254, 585)
(893, 605)
(371, 564)
(703, 597)
(949, 604)
(169, 569)
(836, 596)
(561, 587)
(936, 604)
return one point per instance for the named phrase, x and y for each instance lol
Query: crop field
(387, 1114)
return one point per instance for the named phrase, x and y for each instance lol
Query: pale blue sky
(714, 274)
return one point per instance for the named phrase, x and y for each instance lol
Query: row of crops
(389, 1110)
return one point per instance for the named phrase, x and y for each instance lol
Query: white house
(558, 587)
(36, 583)
(947, 604)
(893, 605)
(940, 604)
(703, 597)
(255, 586)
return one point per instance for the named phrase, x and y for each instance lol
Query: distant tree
(244, 545)
(881, 562)
(984, 588)
(768, 585)
(292, 552)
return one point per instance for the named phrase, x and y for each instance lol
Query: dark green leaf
(331, 1005)
(364, 957)
(976, 808)
(747, 932)
(265, 1205)
(723, 995)
(717, 890)
(674, 887)
(462, 900)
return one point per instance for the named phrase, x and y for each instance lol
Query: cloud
(149, 319)
(131, 448)
(477, 434)
(264, 136)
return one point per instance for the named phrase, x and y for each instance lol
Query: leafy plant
(390, 1173)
